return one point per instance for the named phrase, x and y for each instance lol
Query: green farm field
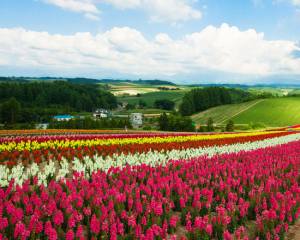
(149, 98)
(276, 112)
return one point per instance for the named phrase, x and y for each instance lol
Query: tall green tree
(210, 125)
(163, 122)
(10, 111)
(230, 126)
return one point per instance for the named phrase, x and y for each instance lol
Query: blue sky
(198, 41)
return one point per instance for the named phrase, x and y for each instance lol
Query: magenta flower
(53, 234)
(79, 231)
(70, 235)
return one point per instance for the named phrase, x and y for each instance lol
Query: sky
(187, 41)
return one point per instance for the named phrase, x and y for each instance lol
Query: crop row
(211, 197)
(68, 137)
(92, 163)
(60, 132)
(91, 141)
(55, 150)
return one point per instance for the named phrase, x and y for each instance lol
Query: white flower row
(154, 157)
(88, 165)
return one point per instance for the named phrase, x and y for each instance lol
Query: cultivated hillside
(276, 112)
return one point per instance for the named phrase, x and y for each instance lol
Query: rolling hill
(276, 112)
(149, 98)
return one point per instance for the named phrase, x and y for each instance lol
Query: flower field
(88, 185)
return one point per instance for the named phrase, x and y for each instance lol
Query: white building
(136, 118)
(99, 115)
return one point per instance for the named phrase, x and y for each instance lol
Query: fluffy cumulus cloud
(159, 10)
(125, 50)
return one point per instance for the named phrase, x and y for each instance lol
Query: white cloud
(159, 10)
(293, 2)
(74, 5)
(91, 17)
(162, 38)
(296, 2)
(170, 10)
(125, 50)
(205, 7)
(122, 4)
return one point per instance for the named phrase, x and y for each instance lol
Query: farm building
(62, 117)
(99, 115)
(136, 118)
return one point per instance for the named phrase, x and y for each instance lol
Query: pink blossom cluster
(211, 197)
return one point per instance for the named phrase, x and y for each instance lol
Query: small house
(136, 118)
(99, 115)
(124, 105)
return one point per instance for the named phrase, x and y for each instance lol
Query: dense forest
(44, 99)
(80, 97)
(200, 99)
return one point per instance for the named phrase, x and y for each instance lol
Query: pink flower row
(211, 197)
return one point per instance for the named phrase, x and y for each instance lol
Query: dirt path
(240, 112)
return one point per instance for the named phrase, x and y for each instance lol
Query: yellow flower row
(34, 145)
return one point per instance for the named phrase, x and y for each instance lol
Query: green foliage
(200, 99)
(142, 103)
(10, 111)
(165, 104)
(175, 123)
(130, 106)
(259, 125)
(202, 129)
(147, 127)
(59, 93)
(210, 125)
(230, 126)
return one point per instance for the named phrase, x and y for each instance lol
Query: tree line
(200, 99)
(41, 94)
(27, 102)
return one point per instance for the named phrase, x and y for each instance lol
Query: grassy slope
(276, 112)
(220, 114)
(175, 95)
